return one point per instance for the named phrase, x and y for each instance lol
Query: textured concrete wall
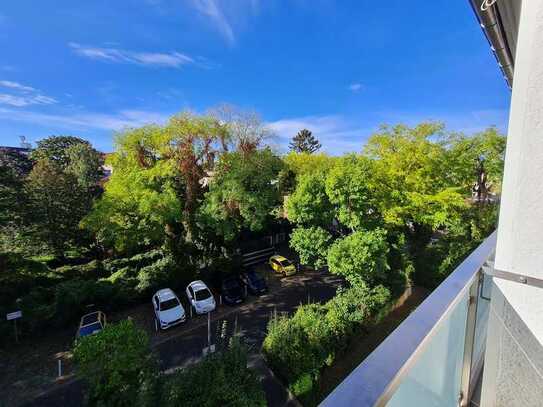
(513, 371)
(520, 242)
(514, 350)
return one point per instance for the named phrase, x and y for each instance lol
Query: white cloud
(339, 134)
(22, 95)
(336, 134)
(227, 15)
(355, 87)
(17, 86)
(211, 9)
(87, 120)
(115, 55)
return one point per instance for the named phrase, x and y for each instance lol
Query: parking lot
(31, 369)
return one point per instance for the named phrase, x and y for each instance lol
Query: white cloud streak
(336, 134)
(211, 9)
(22, 95)
(114, 55)
(81, 121)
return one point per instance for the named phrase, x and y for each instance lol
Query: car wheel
(156, 325)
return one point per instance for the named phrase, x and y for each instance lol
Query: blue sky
(338, 68)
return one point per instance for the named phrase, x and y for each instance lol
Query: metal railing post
(469, 341)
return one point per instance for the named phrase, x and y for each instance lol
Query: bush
(157, 275)
(311, 244)
(73, 297)
(298, 347)
(91, 270)
(118, 366)
(220, 379)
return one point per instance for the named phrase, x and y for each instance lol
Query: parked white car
(200, 297)
(168, 309)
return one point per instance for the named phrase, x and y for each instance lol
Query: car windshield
(285, 263)
(169, 304)
(89, 319)
(202, 294)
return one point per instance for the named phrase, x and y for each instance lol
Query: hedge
(58, 297)
(298, 347)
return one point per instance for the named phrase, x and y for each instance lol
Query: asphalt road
(250, 320)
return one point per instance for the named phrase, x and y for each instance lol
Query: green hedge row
(58, 297)
(298, 347)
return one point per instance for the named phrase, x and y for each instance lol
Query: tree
(311, 244)
(141, 196)
(305, 163)
(117, 365)
(412, 174)
(351, 189)
(476, 162)
(304, 142)
(85, 163)
(308, 204)
(243, 191)
(56, 149)
(156, 188)
(244, 129)
(16, 161)
(360, 257)
(57, 206)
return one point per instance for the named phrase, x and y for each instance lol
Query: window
(202, 294)
(169, 304)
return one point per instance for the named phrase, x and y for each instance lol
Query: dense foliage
(117, 365)
(220, 379)
(298, 347)
(432, 192)
(311, 244)
(410, 205)
(120, 369)
(360, 257)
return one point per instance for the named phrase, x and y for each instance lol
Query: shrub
(311, 244)
(159, 274)
(72, 298)
(220, 379)
(118, 366)
(91, 270)
(298, 347)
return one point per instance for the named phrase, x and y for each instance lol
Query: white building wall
(513, 372)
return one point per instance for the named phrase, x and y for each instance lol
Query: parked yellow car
(282, 265)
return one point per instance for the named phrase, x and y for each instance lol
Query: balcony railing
(434, 358)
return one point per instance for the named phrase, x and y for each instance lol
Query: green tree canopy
(117, 365)
(411, 171)
(304, 142)
(309, 204)
(360, 257)
(56, 149)
(141, 196)
(311, 244)
(351, 189)
(305, 163)
(242, 191)
(57, 206)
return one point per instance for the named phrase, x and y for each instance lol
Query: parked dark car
(255, 283)
(232, 290)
